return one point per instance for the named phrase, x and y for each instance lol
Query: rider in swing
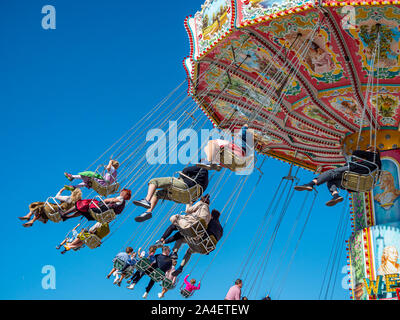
(369, 161)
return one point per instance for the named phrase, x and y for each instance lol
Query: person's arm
(237, 295)
(185, 280)
(198, 287)
(192, 170)
(61, 198)
(109, 166)
(190, 209)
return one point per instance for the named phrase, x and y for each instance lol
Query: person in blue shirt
(122, 256)
(139, 274)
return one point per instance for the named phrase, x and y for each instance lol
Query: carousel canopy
(315, 80)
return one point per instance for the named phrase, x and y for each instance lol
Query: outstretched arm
(185, 280)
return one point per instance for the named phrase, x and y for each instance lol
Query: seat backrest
(232, 161)
(93, 241)
(103, 217)
(104, 190)
(184, 196)
(358, 182)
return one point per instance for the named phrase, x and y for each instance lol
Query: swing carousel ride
(314, 81)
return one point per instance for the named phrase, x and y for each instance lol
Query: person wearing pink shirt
(190, 286)
(235, 291)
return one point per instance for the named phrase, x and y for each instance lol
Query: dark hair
(128, 250)
(238, 281)
(152, 248)
(215, 214)
(206, 198)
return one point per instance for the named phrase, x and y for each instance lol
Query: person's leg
(30, 223)
(168, 232)
(111, 272)
(77, 243)
(186, 257)
(150, 285)
(27, 216)
(177, 236)
(184, 262)
(323, 178)
(336, 198)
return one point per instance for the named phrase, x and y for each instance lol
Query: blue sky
(67, 95)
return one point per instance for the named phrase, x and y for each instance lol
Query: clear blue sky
(108, 63)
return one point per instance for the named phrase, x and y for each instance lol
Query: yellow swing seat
(92, 241)
(232, 161)
(105, 216)
(104, 190)
(51, 213)
(185, 196)
(357, 182)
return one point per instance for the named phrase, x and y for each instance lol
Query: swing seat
(119, 264)
(232, 161)
(360, 182)
(52, 214)
(355, 182)
(197, 238)
(157, 275)
(143, 264)
(92, 241)
(196, 230)
(185, 293)
(185, 196)
(129, 271)
(167, 284)
(103, 217)
(104, 190)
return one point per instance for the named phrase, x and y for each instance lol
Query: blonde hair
(115, 164)
(76, 195)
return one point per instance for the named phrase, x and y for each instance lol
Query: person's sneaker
(174, 256)
(177, 272)
(142, 203)
(335, 200)
(145, 295)
(159, 244)
(69, 188)
(143, 217)
(68, 176)
(205, 164)
(304, 187)
(131, 286)
(160, 295)
(216, 167)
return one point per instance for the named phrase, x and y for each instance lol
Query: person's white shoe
(116, 280)
(160, 295)
(131, 286)
(145, 295)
